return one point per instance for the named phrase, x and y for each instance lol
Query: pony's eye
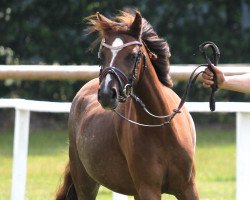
(131, 56)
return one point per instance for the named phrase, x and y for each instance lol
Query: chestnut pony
(114, 139)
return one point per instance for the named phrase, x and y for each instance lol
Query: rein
(126, 90)
(193, 77)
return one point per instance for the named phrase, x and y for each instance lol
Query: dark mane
(154, 43)
(160, 47)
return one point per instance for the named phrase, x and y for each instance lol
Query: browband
(121, 46)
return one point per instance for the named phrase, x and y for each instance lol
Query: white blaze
(116, 43)
(107, 80)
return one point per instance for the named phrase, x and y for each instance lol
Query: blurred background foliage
(51, 32)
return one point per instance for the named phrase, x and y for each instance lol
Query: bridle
(126, 83)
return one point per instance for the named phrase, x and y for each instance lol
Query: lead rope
(216, 56)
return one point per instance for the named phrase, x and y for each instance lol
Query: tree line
(48, 32)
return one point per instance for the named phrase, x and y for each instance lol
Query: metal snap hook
(127, 90)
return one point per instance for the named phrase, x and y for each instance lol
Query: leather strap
(121, 46)
(216, 56)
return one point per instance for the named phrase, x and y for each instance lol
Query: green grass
(215, 160)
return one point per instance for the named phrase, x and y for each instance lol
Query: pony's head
(122, 58)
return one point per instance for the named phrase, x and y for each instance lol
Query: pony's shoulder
(87, 94)
(169, 92)
(89, 88)
(173, 99)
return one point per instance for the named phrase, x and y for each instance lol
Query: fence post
(19, 168)
(242, 156)
(117, 196)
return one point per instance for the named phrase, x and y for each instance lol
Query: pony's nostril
(98, 95)
(114, 93)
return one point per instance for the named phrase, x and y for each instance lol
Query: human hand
(207, 77)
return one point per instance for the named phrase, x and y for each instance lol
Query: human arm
(238, 83)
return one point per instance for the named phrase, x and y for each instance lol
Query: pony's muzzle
(108, 98)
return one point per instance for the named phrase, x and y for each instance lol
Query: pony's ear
(136, 26)
(105, 24)
(102, 18)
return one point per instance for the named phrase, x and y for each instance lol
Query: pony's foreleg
(190, 193)
(147, 192)
(86, 188)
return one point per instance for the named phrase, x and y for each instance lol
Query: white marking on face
(106, 83)
(116, 43)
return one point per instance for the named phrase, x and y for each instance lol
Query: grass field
(215, 159)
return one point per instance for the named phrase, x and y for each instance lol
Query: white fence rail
(21, 135)
(86, 72)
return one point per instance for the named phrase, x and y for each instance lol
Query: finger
(208, 72)
(216, 70)
(206, 86)
(208, 82)
(206, 76)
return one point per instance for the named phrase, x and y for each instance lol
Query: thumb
(215, 69)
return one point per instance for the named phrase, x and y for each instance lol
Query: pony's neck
(151, 91)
